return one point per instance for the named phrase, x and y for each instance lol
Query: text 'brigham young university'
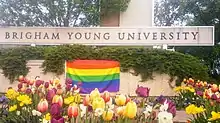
(102, 36)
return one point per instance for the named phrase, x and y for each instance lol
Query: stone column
(138, 14)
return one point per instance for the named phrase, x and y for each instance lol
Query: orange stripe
(92, 64)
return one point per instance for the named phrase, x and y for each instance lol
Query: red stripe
(92, 64)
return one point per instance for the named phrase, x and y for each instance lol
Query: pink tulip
(42, 106)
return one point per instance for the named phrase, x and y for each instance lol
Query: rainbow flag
(91, 74)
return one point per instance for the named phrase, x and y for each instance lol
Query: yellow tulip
(120, 110)
(68, 100)
(120, 100)
(94, 94)
(107, 115)
(98, 103)
(130, 110)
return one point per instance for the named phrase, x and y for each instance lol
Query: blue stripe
(87, 87)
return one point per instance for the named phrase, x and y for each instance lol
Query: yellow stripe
(92, 72)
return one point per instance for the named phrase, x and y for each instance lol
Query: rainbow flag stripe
(91, 74)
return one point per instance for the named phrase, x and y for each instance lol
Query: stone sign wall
(128, 83)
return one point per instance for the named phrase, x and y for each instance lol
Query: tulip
(73, 111)
(128, 99)
(21, 78)
(31, 82)
(68, 87)
(98, 103)
(106, 96)
(142, 91)
(200, 93)
(107, 115)
(130, 110)
(59, 86)
(28, 91)
(20, 85)
(76, 89)
(205, 84)
(214, 97)
(68, 81)
(58, 99)
(120, 111)
(214, 88)
(191, 80)
(58, 120)
(56, 81)
(46, 84)
(38, 83)
(42, 106)
(86, 100)
(55, 110)
(50, 94)
(59, 91)
(23, 89)
(94, 94)
(120, 100)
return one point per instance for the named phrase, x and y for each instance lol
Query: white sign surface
(175, 36)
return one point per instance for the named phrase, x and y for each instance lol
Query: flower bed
(37, 101)
(201, 100)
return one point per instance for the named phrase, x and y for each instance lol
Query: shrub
(143, 61)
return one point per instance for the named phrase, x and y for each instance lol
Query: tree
(205, 13)
(169, 12)
(55, 12)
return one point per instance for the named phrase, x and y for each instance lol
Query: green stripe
(93, 78)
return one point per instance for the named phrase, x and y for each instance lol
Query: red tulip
(58, 99)
(128, 99)
(42, 106)
(73, 111)
(86, 100)
(106, 96)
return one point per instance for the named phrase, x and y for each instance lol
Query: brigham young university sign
(175, 36)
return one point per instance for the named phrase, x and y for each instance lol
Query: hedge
(143, 61)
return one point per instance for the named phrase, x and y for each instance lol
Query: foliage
(56, 12)
(169, 12)
(206, 106)
(13, 61)
(37, 101)
(113, 6)
(144, 62)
